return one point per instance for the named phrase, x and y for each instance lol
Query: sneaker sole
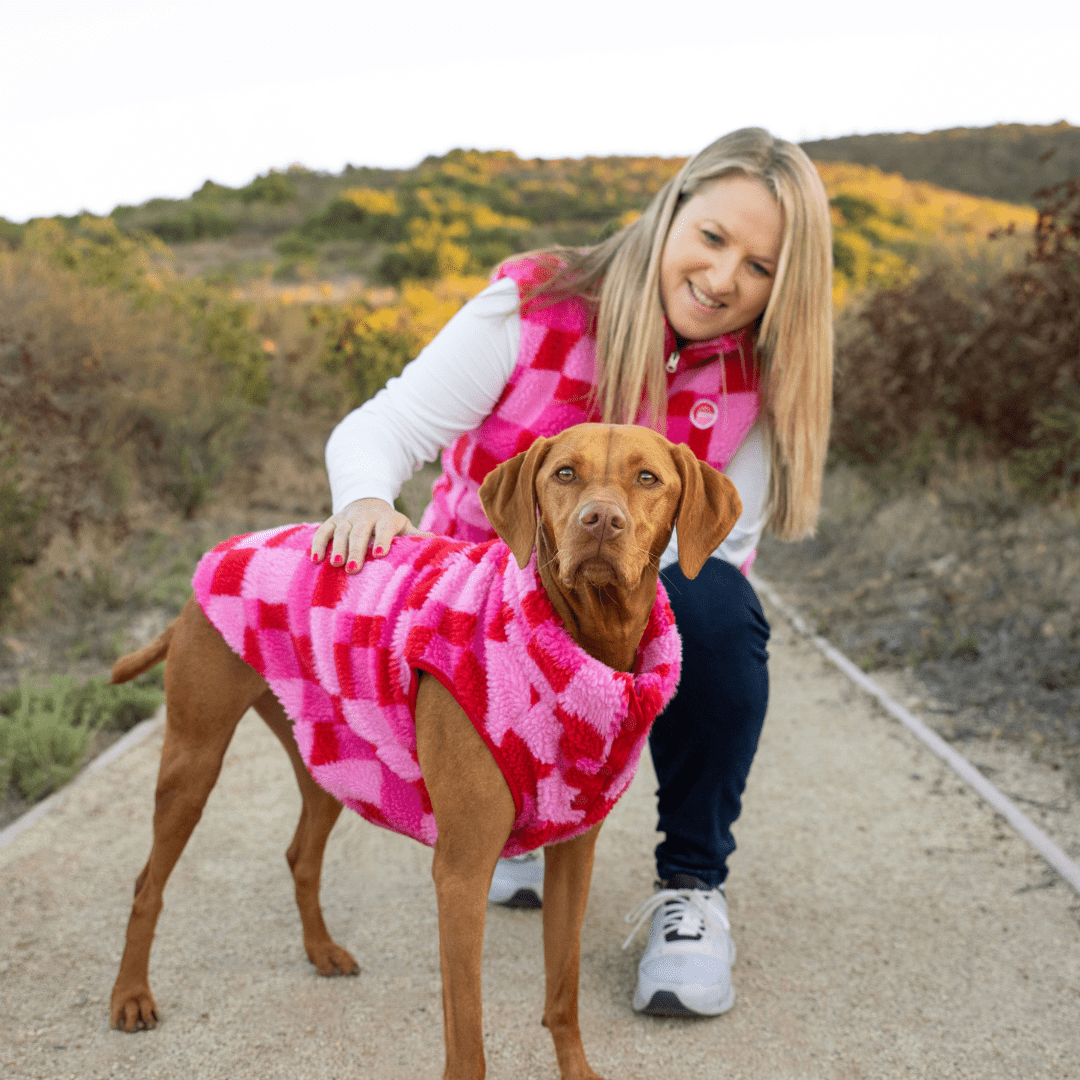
(666, 1003)
(523, 898)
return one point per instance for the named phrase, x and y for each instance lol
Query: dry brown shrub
(103, 401)
(937, 363)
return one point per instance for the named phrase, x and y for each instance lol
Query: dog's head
(606, 497)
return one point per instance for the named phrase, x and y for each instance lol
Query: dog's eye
(647, 478)
(565, 474)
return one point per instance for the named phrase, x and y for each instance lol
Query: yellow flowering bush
(370, 340)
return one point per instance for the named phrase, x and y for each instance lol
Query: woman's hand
(366, 521)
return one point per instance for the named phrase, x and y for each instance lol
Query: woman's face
(719, 259)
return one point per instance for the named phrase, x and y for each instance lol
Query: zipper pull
(672, 362)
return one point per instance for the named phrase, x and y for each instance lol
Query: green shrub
(1050, 465)
(853, 209)
(10, 234)
(366, 347)
(126, 704)
(447, 236)
(229, 336)
(193, 222)
(296, 245)
(45, 729)
(41, 741)
(273, 188)
(215, 192)
(409, 263)
(99, 253)
(357, 214)
(368, 343)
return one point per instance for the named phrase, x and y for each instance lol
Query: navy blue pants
(704, 742)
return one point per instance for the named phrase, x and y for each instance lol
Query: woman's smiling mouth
(703, 298)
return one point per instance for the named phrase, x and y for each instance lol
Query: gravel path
(888, 926)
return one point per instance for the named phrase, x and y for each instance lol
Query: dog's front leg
(474, 811)
(567, 873)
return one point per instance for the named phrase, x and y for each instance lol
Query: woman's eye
(760, 270)
(565, 474)
(647, 478)
(713, 238)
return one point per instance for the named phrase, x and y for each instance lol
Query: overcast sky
(116, 102)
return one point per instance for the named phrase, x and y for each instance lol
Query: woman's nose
(720, 277)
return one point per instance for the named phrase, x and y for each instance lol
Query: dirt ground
(971, 591)
(888, 926)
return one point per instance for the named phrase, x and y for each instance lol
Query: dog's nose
(603, 519)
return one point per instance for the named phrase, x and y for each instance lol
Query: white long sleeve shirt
(452, 387)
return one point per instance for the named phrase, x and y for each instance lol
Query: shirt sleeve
(749, 471)
(450, 388)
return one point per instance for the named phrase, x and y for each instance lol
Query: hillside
(461, 213)
(887, 228)
(157, 397)
(1006, 161)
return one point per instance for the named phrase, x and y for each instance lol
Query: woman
(709, 318)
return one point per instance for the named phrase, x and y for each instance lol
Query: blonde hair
(620, 279)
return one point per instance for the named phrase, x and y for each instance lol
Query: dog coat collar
(342, 651)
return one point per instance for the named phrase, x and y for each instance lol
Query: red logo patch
(703, 414)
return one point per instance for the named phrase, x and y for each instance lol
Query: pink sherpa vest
(341, 652)
(711, 405)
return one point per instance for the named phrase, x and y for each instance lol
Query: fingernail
(377, 551)
(337, 560)
(315, 558)
(352, 567)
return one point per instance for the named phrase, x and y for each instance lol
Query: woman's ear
(708, 509)
(508, 496)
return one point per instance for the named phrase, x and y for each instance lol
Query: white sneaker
(518, 881)
(686, 969)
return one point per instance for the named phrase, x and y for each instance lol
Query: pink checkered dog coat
(342, 652)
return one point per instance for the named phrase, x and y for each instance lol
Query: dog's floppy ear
(708, 509)
(508, 496)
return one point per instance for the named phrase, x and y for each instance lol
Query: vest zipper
(672, 362)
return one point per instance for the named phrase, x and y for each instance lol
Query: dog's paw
(133, 1009)
(583, 1072)
(331, 959)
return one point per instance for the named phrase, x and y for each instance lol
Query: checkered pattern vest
(341, 652)
(712, 402)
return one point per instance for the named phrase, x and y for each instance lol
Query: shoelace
(689, 906)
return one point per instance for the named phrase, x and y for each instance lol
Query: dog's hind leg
(305, 854)
(207, 689)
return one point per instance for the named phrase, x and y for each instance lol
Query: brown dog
(599, 503)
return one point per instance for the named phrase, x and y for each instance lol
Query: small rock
(940, 567)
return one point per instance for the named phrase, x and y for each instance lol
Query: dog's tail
(127, 667)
